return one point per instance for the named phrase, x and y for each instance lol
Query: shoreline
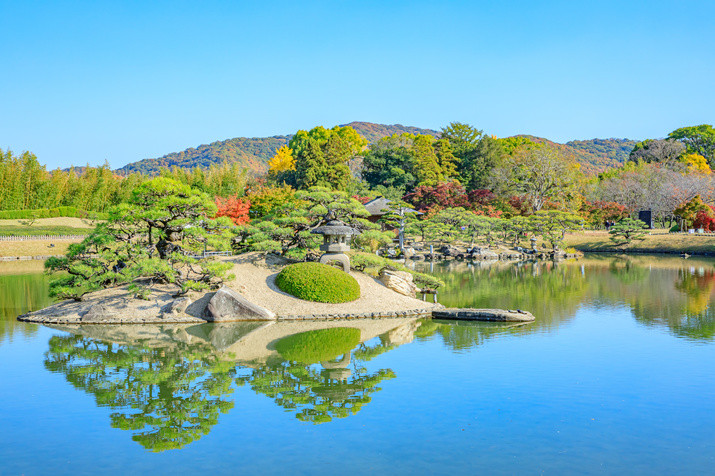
(254, 284)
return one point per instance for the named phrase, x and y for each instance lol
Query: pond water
(615, 376)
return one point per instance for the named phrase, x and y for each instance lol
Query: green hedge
(318, 282)
(50, 213)
(318, 346)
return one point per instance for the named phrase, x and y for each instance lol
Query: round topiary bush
(318, 346)
(318, 282)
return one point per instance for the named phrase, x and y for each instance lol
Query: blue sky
(85, 82)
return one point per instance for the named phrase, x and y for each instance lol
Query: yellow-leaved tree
(283, 161)
(695, 163)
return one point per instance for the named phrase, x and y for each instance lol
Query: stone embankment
(491, 315)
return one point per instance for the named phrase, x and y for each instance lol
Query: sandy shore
(254, 280)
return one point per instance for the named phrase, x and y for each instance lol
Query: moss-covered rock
(318, 282)
(319, 345)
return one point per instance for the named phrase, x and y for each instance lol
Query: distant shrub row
(50, 213)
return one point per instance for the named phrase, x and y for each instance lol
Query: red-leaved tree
(705, 219)
(234, 208)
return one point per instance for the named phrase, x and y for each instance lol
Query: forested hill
(595, 155)
(253, 153)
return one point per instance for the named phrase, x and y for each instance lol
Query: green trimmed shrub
(319, 345)
(318, 282)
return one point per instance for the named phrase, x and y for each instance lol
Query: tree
(477, 162)
(540, 173)
(698, 139)
(287, 229)
(695, 163)
(157, 236)
(665, 151)
(627, 230)
(234, 208)
(688, 211)
(405, 161)
(462, 137)
(442, 195)
(553, 225)
(321, 156)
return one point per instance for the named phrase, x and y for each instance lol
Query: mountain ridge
(253, 153)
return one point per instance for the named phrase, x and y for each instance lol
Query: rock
(399, 281)
(178, 306)
(409, 252)
(483, 253)
(228, 305)
(99, 312)
(449, 251)
(403, 334)
(496, 315)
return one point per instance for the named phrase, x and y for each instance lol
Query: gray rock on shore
(399, 281)
(228, 305)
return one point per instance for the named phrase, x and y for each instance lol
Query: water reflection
(20, 293)
(169, 384)
(667, 292)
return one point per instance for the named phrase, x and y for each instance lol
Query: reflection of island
(168, 384)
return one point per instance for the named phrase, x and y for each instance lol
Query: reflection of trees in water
(318, 395)
(660, 291)
(685, 307)
(169, 391)
(551, 291)
(20, 294)
(468, 334)
(168, 397)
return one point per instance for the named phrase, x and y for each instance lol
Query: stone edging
(173, 319)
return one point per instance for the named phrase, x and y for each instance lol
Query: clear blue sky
(85, 82)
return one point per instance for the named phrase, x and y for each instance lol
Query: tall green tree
(321, 156)
(698, 139)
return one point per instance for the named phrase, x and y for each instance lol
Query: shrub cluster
(50, 213)
(318, 282)
(318, 346)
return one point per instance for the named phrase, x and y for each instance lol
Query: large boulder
(228, 305)
(483, 253)
(399, 281)
(448, 251)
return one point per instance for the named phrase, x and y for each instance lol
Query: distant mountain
(374, 132)
(595, 155)
(253, 153)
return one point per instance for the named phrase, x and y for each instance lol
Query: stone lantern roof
(334, 227)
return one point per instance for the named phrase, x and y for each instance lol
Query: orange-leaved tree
(234, 208)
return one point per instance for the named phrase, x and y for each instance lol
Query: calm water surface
(616, 376)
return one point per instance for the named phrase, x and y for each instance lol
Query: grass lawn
(47, 226)
(657, 242)
(34, 247)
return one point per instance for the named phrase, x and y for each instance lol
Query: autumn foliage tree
(234, 208)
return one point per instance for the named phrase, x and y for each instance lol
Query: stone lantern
(336, 240)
